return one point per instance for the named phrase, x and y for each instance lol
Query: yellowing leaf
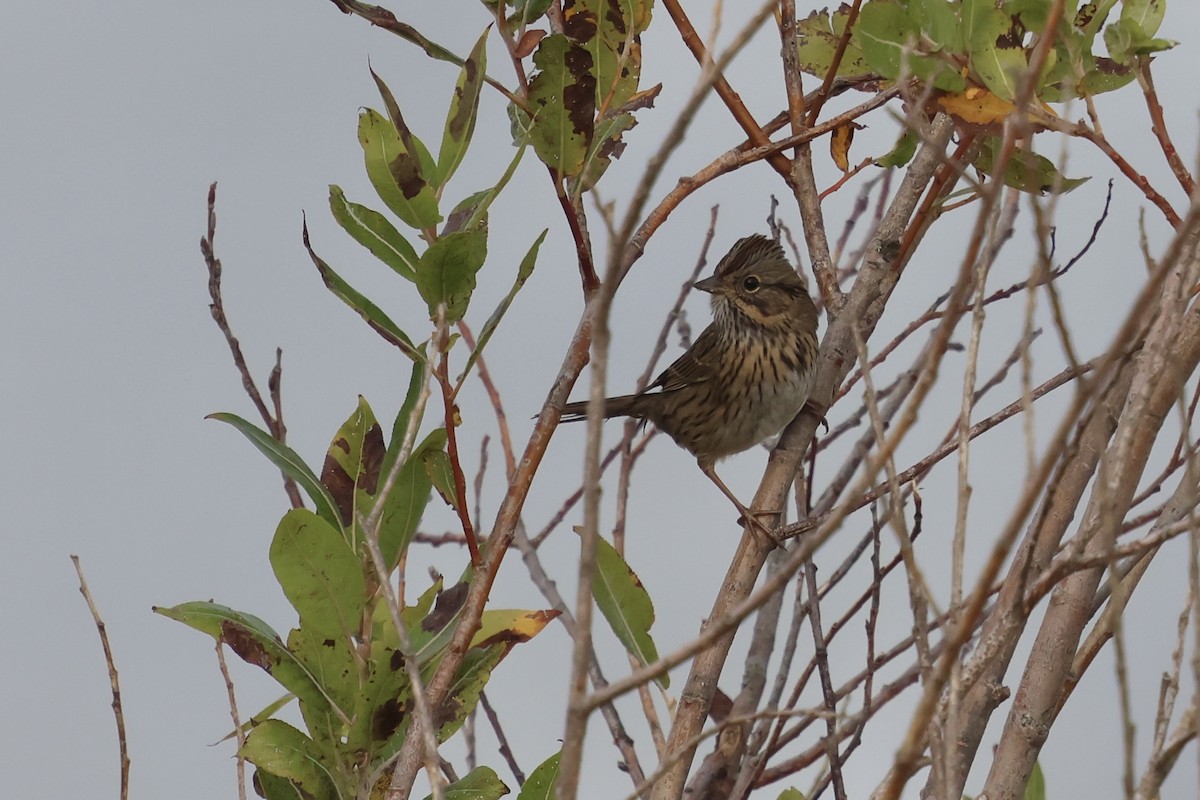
(980, 109)
(976, 106)
(839, 144)
(511, 626)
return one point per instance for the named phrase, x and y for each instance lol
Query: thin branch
(732, 101)
(274, 422)
(237, 721)
(505, 750)
(113, 681)
(1158, 125)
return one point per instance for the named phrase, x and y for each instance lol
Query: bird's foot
(754, 520)
(818, 410)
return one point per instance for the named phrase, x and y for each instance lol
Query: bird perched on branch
(747, 375)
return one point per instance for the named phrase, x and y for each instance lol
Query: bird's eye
(750, 283)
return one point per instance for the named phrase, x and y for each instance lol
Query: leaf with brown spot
(818, 36)
(351, 470)
(610, 30)
(511, 626)
(253, 640)
(563, 102)
(246, 646)
(448, 606)
(398, 174)
(464, 107)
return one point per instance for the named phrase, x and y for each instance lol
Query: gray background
(119, 115)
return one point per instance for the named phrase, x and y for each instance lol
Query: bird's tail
(613, 407)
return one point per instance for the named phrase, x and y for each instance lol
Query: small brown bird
(747, 375)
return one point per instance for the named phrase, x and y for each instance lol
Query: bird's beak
(709, 285)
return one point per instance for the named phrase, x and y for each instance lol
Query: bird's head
(755, 282)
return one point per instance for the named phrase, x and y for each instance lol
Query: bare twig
(505, 750)
(237, 721)
(274, 422)
(114, 682)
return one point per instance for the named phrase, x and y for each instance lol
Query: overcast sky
(119, 115)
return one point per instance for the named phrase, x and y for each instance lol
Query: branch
(732, 100)
(1169, 357)
(114, 683)
(274, 422)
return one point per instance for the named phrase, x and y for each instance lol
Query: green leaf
(998, 66)
(1032, 13)
(1077, 72)
(288, 462)
(1027, 171)
(464, 107)
(441, 472)
(351, 469)
(398, 175)
(562, 96)
(625, 604)
(481, 783)
(527, 11)
(818, 37)
(1036, 788)
(403, 414)
(333, 664)
(1125, 40)
(939, 23)
(447, 270)
(319, 573)
(542, 782)
(1146, 14)
(405, 504)
(273, 787)
(285, 752)
(882, 32)
(372, 314)
(524, 270)
(901, 153)
(607, 144)
(266, 713)
(887, 36)
(255, 642)
(468, 682)
(791, 794)
(372, 230)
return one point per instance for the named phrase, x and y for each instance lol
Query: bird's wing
(697, 365)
